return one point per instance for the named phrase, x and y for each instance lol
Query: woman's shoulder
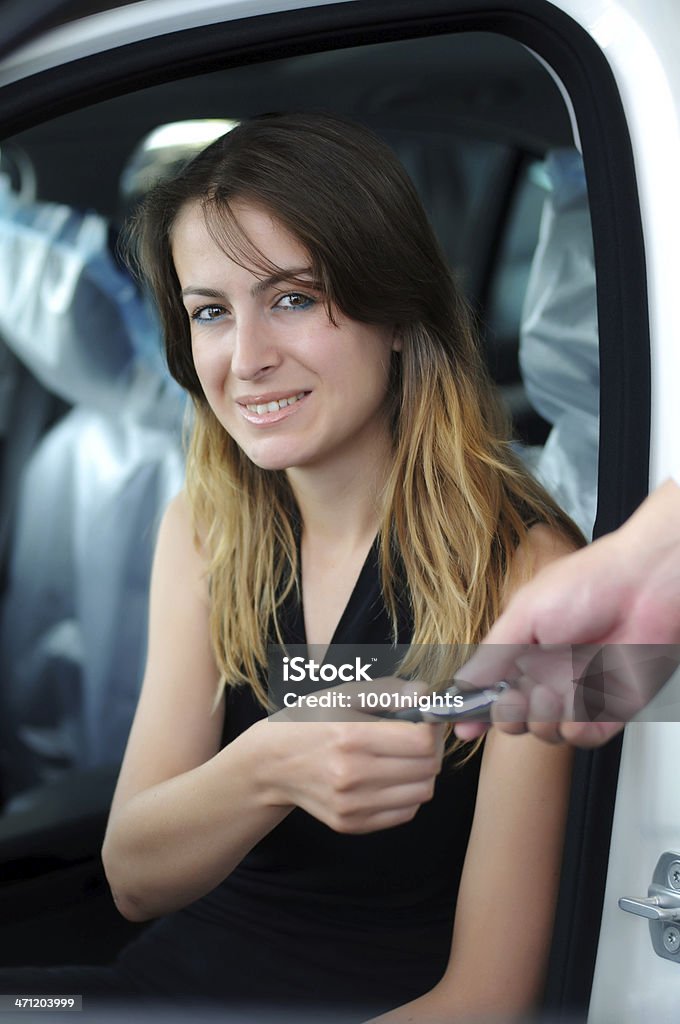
(179, 547)
(541, 545)
(179, 523)
(177, 514)
(176, 531)
(545, 543)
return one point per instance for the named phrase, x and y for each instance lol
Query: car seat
(559, 352)
(87, 501)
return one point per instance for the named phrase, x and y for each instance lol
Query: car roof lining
(496, 89)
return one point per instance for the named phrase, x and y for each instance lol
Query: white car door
(633, 982)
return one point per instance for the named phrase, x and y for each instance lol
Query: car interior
(91, 424)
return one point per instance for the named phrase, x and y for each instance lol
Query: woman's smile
(265, 410)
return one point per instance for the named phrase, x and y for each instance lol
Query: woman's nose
(255, 350)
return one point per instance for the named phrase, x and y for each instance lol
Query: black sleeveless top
(310, 917)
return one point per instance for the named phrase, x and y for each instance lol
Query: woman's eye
(207, 313)
(295, 300)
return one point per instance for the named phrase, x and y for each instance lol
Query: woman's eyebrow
(291, 274)
(208, 293)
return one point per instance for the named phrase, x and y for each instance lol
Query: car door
(637, 975)
(586, 48)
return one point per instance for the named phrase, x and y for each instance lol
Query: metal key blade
(475, 704)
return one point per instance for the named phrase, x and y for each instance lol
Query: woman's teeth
(275, 406)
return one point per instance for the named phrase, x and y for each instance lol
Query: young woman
(349, 480)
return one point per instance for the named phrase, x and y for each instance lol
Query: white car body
(631, 983)
(639, 41)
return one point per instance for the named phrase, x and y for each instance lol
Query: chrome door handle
(661, 907)
(652, 908)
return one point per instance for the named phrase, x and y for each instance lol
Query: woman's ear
(396, 340)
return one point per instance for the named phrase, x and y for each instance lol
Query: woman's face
(292, 388)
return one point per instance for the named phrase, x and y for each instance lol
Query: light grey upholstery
(87, 505)
(559, 354)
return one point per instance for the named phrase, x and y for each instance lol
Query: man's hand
(623, 591)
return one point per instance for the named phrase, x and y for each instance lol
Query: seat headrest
(68, 311)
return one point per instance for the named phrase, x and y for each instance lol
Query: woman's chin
(270, 460)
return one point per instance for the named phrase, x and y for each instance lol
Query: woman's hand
(357, 773)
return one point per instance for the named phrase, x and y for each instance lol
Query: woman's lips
(250, 410)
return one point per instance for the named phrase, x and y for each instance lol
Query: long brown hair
(458, 501)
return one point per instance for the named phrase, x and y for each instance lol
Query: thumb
(495, 658)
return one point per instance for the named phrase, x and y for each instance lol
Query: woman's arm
(185, 813)
(506, 901)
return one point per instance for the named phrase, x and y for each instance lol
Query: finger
(393, 806)
(491, 663)
(379, 821)
(517, 728)
(545, 705)
(385, 738)
(395, 772)
(311, 710)
(510, 712)
(545, 714)
(403, 797)
(589, 734)
(546, 711)
(468, 731)
(549, 732)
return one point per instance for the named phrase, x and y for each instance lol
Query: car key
(475, 704)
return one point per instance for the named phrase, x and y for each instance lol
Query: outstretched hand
(593, 637)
